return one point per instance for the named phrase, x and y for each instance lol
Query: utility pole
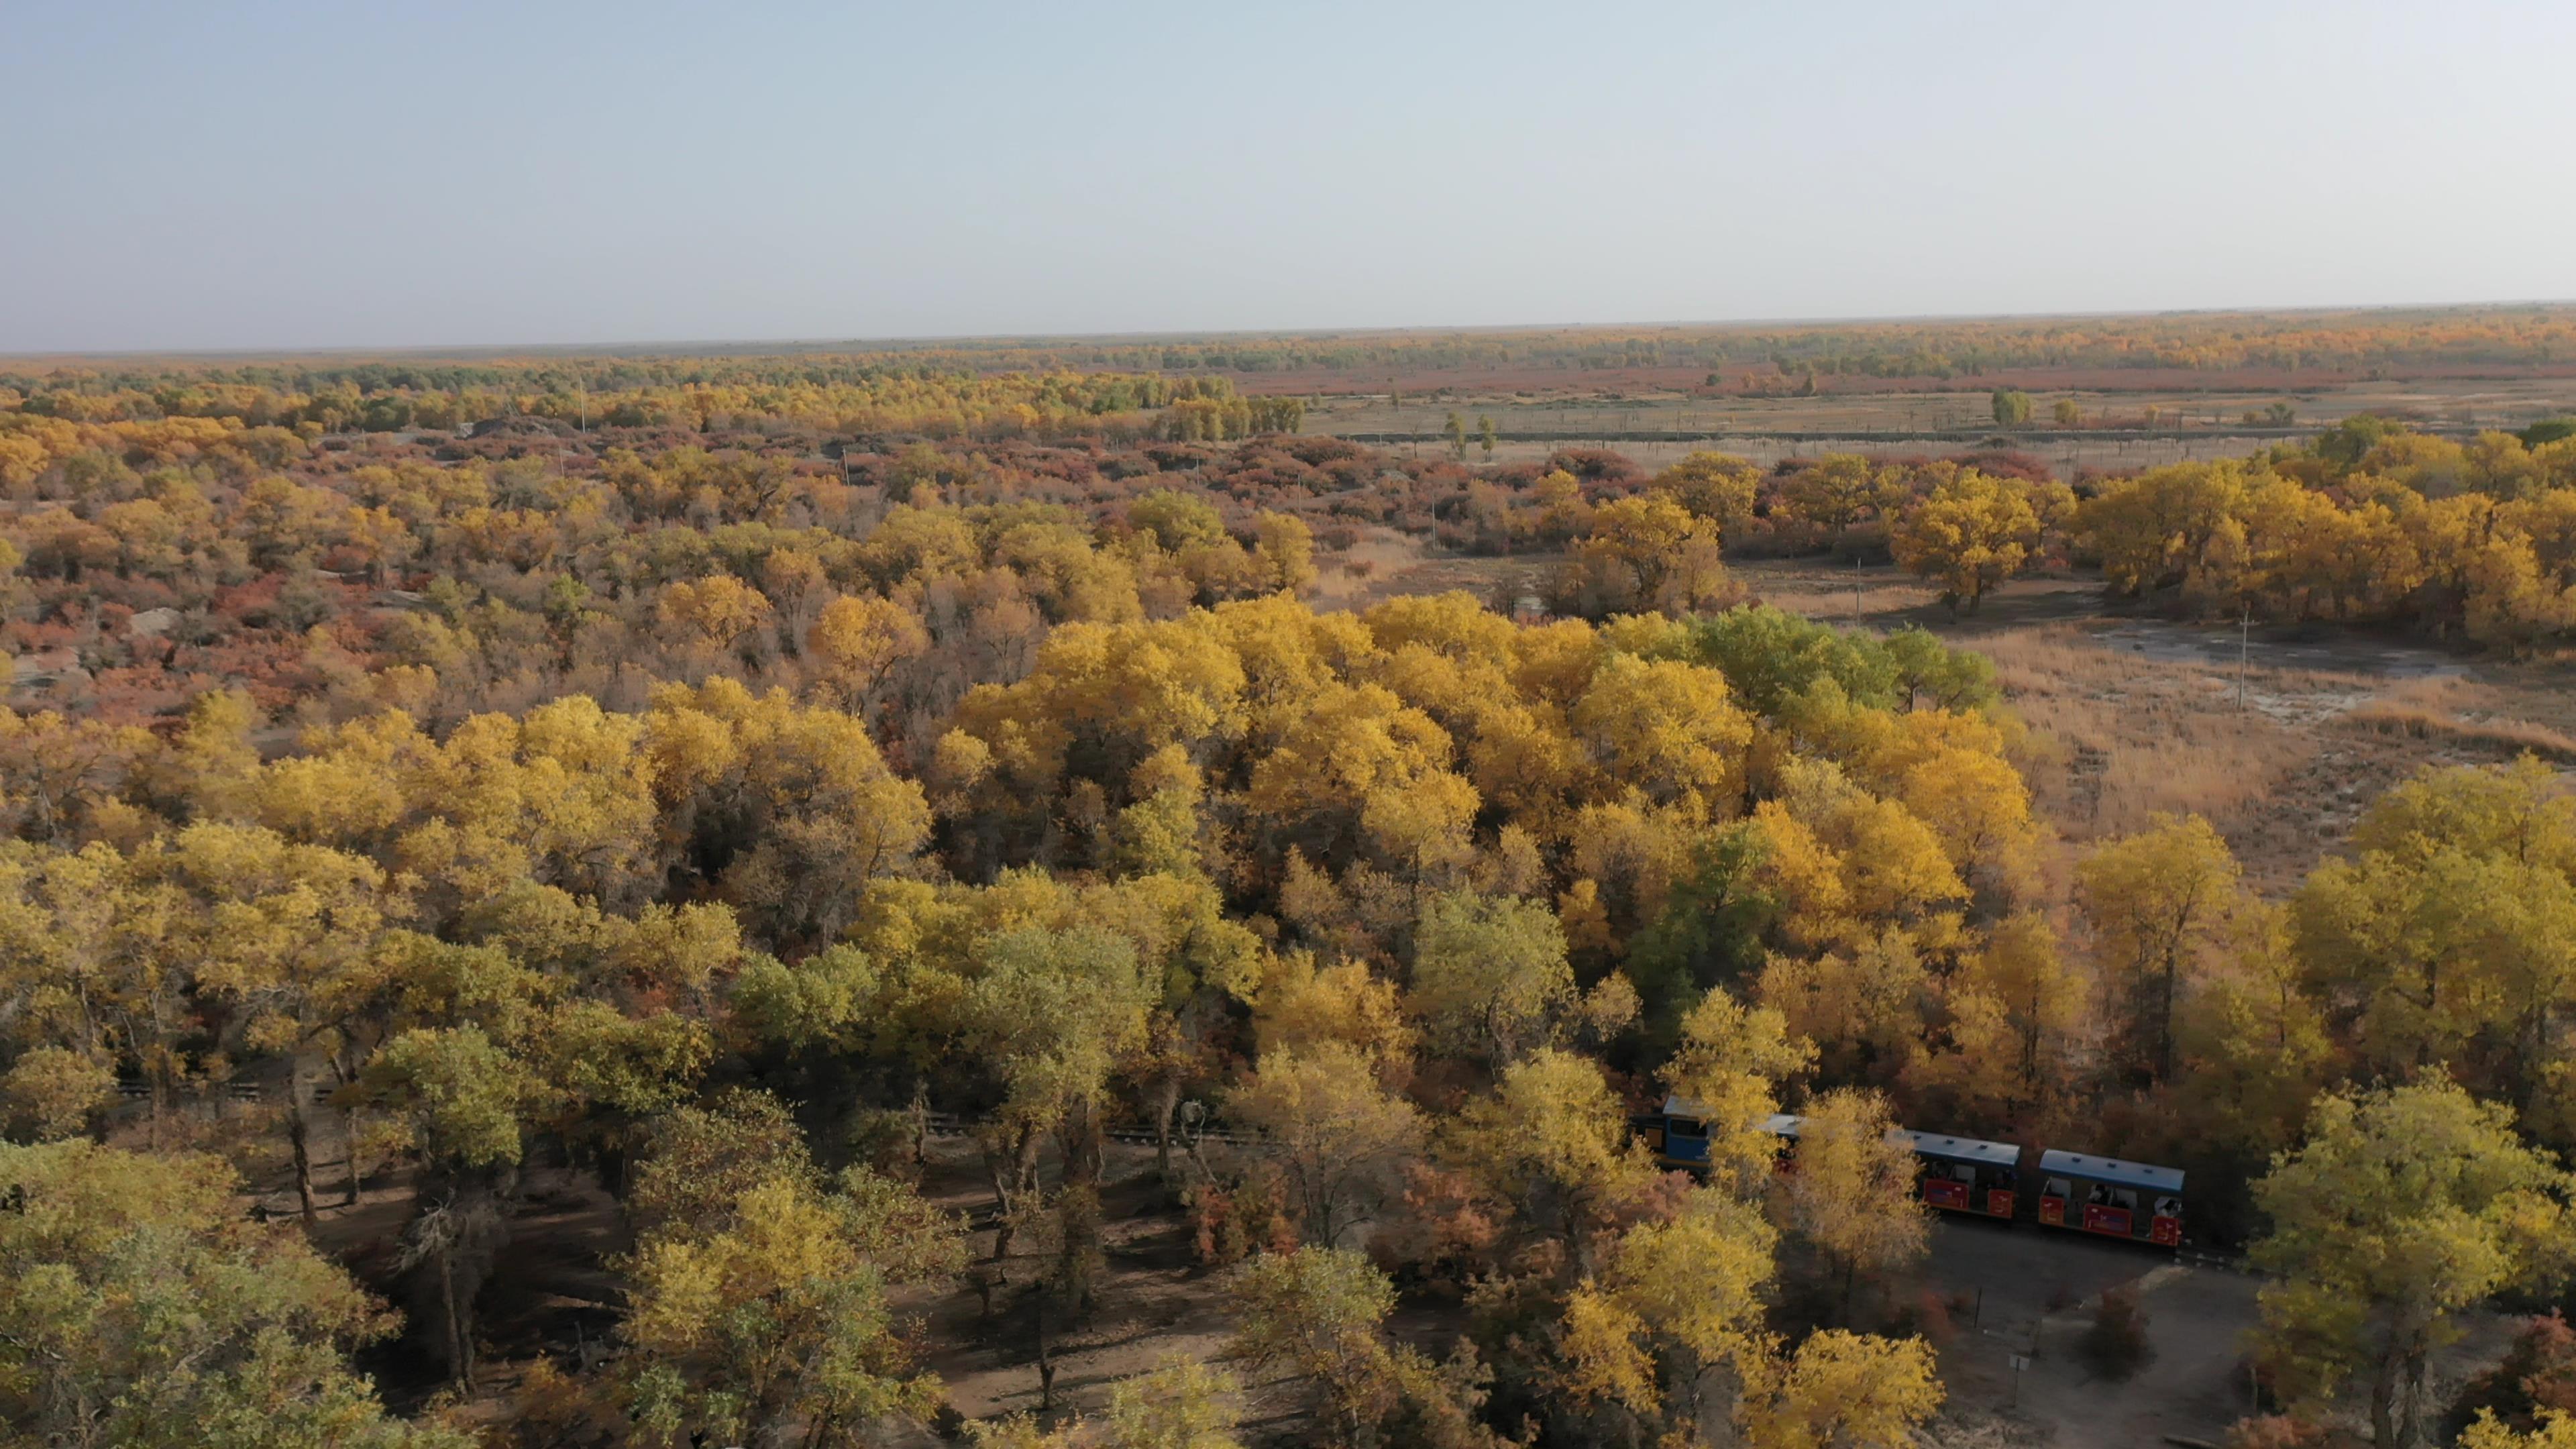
(2244, 647)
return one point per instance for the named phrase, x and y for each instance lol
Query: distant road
(2040, 437)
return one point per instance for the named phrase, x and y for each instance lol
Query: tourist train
(2135, 1201)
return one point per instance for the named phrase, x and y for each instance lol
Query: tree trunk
(2164, 1017)
(1084, 1157)
(1167, 1102)
(349, 1143)
(2530, 1058)
(1001, 1208)
(2410, 1402)
(299, 1138)
(2383, 1407)
(460, 1363)
(778, 1429)
(920, 1112)
(457, 1240)
(1046, 1364)
(1009, 1190)
(2432, 1000)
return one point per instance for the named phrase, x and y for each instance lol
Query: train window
(2097, 1195)
(1685, 1127)
(2125, 1199)
(2168, 1207)
(2054, 1187)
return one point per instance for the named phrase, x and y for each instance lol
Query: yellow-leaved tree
(2402, 1209)
(1851, 1192)
(2158, 903)
(855, 641)
(2451, 930)
(1338, 1137)
(142, 1308)
(1730, 1063)
(1715, 486)
(1674, 1299)
(768, 1308)
(1551, 1139)
(2399, 1210)
(1674, 1321)
(1972, 532)
(1489, 975)
(1840, 1390)
(2557, 1431)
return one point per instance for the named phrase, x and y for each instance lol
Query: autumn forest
(1027, 894)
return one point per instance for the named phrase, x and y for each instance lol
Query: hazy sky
(262, 173)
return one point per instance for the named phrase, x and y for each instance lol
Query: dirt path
(2038, 1290)
(2195, 1387)
(1156, 1303)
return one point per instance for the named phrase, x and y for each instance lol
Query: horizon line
(792, 346)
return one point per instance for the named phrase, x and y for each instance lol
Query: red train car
(2137, 1201)
(1966, 1175)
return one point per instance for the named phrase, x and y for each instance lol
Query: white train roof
(1965, 1149)
(2112, 1170)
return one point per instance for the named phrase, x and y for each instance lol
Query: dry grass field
(2216, 403)
(1656, 419)
(2071, 453)
(2128, 716)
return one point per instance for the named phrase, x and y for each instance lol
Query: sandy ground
(1154, 1300)
(2039, 1291)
